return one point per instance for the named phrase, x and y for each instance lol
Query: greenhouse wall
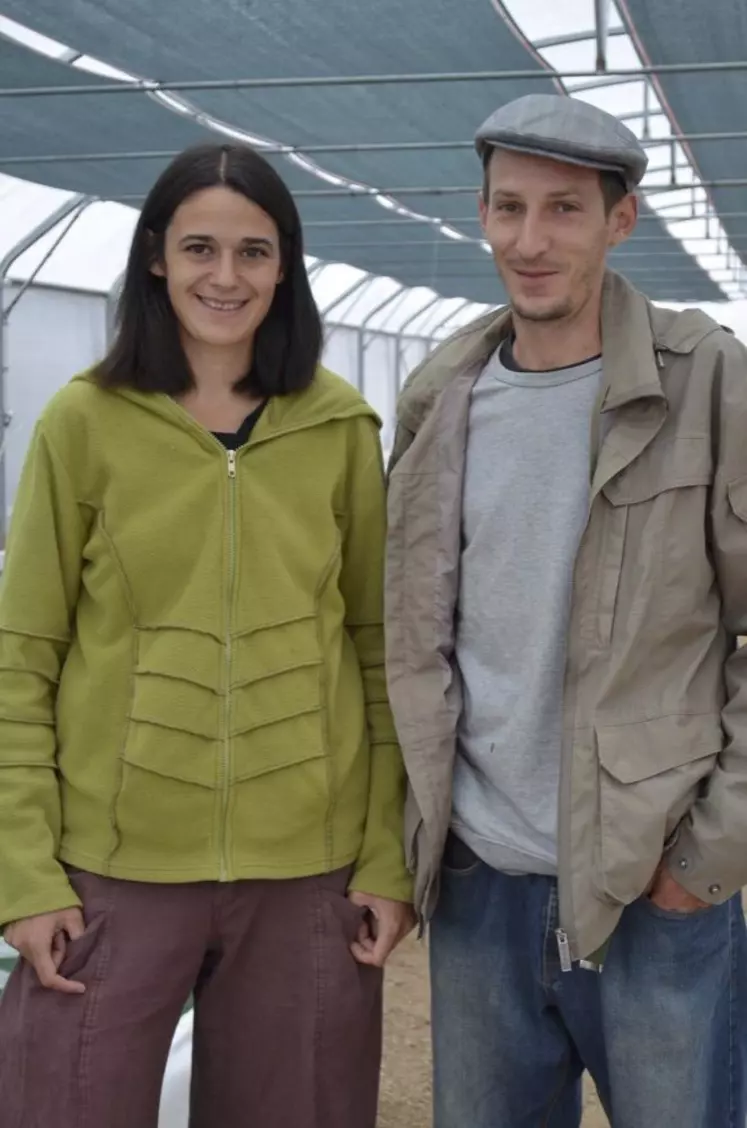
(51, 334)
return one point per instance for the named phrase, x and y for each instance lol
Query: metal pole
(471, 219)
(6, 263)
(351, 147)
(148, 86)
(362, 342)
(602, 28)
(390, 244)
(356, 192)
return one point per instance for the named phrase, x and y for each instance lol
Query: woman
(200, 786)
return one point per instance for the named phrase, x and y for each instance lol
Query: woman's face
(221, 262)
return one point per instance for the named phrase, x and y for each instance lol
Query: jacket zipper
(226, 758)
(564, 950)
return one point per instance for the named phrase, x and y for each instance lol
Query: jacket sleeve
(709, 856)
(380, 868)
(38, 593)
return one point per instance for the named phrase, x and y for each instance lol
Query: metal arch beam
(401, 335)
(148, 86)
(317, 268)
(348, 293)
(418, 313)
(382, 305)
(112, 302)
(445, 321)
(574, 37)
(72, 207)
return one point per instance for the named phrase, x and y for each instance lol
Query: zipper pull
(564, 949)
(232, 464)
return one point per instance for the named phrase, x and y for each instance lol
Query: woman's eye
(198, 248)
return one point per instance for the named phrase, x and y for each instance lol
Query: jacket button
(714, 889)
(683, 863)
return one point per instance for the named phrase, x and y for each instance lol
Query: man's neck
(540, 346)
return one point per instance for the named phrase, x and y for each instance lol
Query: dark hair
(613, 186)
(147, 353)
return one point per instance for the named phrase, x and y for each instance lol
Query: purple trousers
(287, 1026)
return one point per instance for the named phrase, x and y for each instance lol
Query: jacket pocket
(650, 773)
(651, 517)
(737, 493)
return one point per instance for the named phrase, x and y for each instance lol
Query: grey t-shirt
(525, 506)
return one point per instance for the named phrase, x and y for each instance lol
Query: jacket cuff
(696, 873)
(20, 908)
(392, 882)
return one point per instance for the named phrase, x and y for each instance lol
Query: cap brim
(483, 145)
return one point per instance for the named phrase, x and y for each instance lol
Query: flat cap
(565, 129)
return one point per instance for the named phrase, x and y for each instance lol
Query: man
(567, 577)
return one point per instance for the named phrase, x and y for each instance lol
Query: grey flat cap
(565, 129)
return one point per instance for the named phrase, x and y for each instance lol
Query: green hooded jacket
(192, 679)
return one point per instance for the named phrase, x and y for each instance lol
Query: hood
(328, 398)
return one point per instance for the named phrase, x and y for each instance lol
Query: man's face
(549, 230)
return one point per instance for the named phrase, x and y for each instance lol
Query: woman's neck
(217, 371)
(213, 400)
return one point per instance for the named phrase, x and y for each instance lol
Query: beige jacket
(654, 754)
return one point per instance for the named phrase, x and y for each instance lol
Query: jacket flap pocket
(684, 461)
(737, 491)
(638, 751)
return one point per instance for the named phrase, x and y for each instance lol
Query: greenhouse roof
(367, 111)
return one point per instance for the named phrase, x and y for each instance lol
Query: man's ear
(624, 218)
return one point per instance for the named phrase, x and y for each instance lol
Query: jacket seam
(660, 717)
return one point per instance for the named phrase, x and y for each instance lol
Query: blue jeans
(662, 1030)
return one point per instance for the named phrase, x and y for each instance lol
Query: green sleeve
(380, 868)
(38, 594)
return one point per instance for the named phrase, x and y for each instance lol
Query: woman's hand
(42, 942)
(387, 922)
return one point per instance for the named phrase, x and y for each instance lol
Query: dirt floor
(405, 1092)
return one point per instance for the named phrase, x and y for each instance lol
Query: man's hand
(42, 942)
(386, 924)
(666, 893)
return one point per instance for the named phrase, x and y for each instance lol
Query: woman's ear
(156, 265)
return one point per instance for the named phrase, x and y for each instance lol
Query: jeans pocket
(674, 914)
(459, 859)
(78, 952)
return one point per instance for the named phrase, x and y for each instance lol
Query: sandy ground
(405, 1091)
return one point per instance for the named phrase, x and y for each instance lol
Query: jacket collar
(635, 334)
